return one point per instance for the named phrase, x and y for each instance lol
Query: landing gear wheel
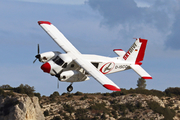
(69, 88)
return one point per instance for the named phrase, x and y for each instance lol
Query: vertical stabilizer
(136, 51)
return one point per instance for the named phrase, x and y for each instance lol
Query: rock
(20, 108)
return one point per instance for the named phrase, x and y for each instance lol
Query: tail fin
(136, 51)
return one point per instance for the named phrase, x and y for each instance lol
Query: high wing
(61, 40)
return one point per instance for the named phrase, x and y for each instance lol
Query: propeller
(38, 56)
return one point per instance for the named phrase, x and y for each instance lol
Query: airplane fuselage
(70, 71)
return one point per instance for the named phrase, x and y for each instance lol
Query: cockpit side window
(58, 60)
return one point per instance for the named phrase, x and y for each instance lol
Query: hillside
(21, 103)
(110, 106)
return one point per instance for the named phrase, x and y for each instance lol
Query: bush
(25, 89)
(54, 96)
(81, 113)
(99, 108)
(78, 93)
(68, 108)
(106, 94)
(172, 91)
(6, 87)
(37, 95)
(84, 97)
(130, 107)
(166, 112)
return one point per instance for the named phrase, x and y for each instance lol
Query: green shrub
(78, 93)
(55, 94)
(68, 108)
(6, 87)
(130, 107)
(106, 94)
(84, 97)
(70, 95)
(81, 113)
(172, 91)
(25, 89)
(99, 108)
(37, 95)
(166, 112)
(120, 107)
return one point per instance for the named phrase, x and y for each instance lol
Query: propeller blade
(38, 56)
(34, 60)
(38, 49)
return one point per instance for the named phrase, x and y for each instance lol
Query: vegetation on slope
(99, 110)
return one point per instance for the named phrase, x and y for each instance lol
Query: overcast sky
(94, 27)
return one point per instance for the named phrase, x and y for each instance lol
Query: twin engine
(72, 76)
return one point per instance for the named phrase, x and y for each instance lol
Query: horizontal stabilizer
(119, 52)
(140, 71)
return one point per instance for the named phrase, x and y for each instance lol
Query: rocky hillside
(131, 106)
(20, 107)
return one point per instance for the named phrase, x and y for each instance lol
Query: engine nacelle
(44, 57)
(72, 76)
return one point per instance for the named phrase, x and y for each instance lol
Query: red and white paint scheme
(73, 66)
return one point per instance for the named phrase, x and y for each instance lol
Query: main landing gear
(70, 88)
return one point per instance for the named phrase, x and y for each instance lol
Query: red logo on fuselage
(130, 51)
(106, 68)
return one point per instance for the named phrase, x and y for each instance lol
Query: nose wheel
(70, 88)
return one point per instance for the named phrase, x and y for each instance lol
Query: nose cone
(46, 67)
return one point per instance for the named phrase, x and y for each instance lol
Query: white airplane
(76, 67)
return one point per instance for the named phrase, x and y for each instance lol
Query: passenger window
(96, 64)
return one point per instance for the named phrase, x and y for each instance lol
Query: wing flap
(140, 71)
(61, 40)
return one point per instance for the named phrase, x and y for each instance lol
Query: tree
(141, 83)
(25, 89)
(6, 87)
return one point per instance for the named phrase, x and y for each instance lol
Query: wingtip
(111, 87)
(44, 22)
(147, 77)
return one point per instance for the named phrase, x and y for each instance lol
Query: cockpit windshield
(58, 60)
